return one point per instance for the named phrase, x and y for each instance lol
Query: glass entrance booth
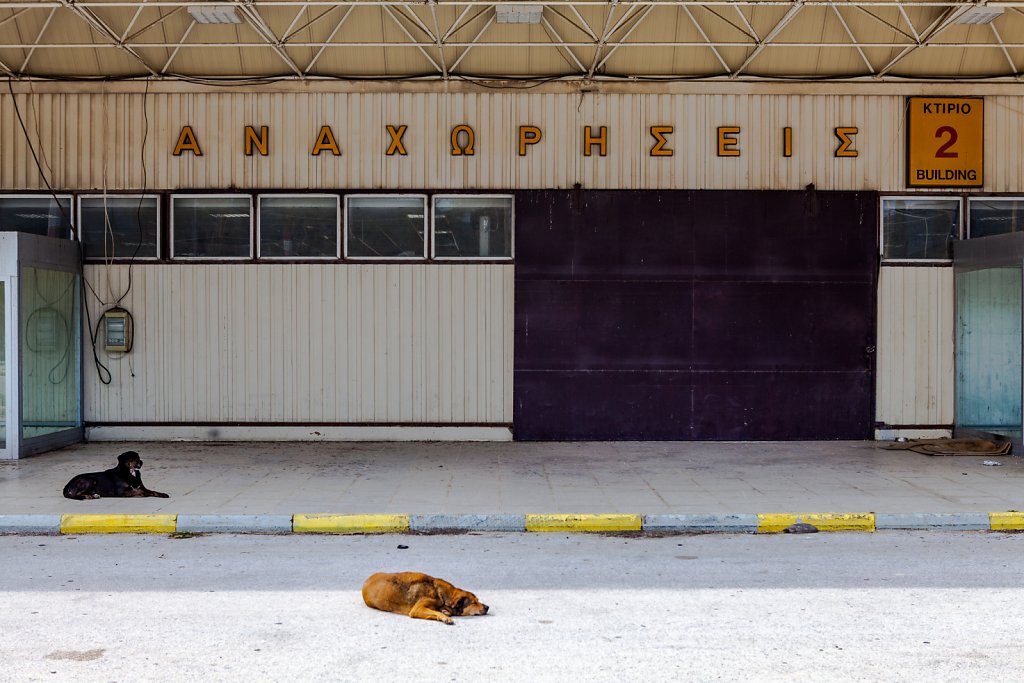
(988, 273)
(41, 357)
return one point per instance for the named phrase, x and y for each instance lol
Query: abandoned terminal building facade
(309, 258)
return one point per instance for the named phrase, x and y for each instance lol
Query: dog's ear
(459, 606)
(126, 456)
(445, 595)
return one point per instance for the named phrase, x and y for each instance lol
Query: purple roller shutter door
(690, 315)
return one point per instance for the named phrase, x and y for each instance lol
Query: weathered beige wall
(915, 377)
(319, 343)
(92, 141)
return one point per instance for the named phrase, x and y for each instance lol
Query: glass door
(988, 348)
(3, 369)
(49, 354)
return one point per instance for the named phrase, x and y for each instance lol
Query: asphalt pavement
(900, 606)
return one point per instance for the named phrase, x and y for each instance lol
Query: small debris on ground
(800, 528)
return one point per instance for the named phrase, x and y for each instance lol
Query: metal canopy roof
(573, 39)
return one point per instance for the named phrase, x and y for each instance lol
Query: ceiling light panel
(982, 14)
(518, 14)
(214, 14)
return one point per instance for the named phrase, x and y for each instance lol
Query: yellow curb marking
(615, 522)
(1006, 521)
(118, 524)
(825, 521)
(350, 524)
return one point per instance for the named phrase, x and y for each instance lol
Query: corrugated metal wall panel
(1004, 172)
(915, 346)
(88, 141)
(307, 343)
(92, 141)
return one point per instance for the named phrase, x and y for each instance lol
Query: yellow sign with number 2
(945, 141)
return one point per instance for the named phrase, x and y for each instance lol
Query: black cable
(100, 367)
(35, 157)
(142, 197)
(66, 338)
(93, 332)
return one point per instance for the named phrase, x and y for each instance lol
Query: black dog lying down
(123, 481)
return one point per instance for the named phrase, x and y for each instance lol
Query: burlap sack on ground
(952, 446)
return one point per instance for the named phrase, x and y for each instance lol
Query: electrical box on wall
(117, 331)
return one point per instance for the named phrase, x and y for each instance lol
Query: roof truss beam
(82, 10)
(860, 50)
(252, 15)
(586, 33)
(761, 45)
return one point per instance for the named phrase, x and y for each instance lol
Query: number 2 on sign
(941, 152)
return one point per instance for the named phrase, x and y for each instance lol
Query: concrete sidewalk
(728, 484)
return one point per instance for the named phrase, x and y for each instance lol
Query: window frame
(120, 195)
(395, 259)
(465, 195)
(223, 195)
(987, 198)
(70, 196)
(916, 197)
(338, 222)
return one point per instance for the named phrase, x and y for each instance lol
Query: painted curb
(1006, 521)
(40, 524)
(235, 524)
(349, 524)
(584, 522)
(768, 523)
(427, 523)
(30, 524)
(737, 524)
(950, 521)
(118, 524)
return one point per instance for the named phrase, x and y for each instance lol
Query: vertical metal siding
(91, 141)
(1004, 162)
(915, 346)
(308, 343)
(94, 141)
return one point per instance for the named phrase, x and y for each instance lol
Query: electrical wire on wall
(47, 331)
(114, 304)
(102, 371)
(49, 311)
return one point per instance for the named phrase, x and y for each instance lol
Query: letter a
(187, 143)
(325, 140)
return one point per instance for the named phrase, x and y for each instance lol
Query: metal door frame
(23, 250)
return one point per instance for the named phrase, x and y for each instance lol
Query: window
(119, 226)
(385, 226)
(992, 216)
(298, 226)
(211, 226)
(919, 228)
(472, 226)
(39, 214)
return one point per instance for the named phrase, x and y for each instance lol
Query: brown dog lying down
(123, 481)
(420, 596)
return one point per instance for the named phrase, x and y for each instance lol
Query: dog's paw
(162, 495)
(448, 620)
(94, 496)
